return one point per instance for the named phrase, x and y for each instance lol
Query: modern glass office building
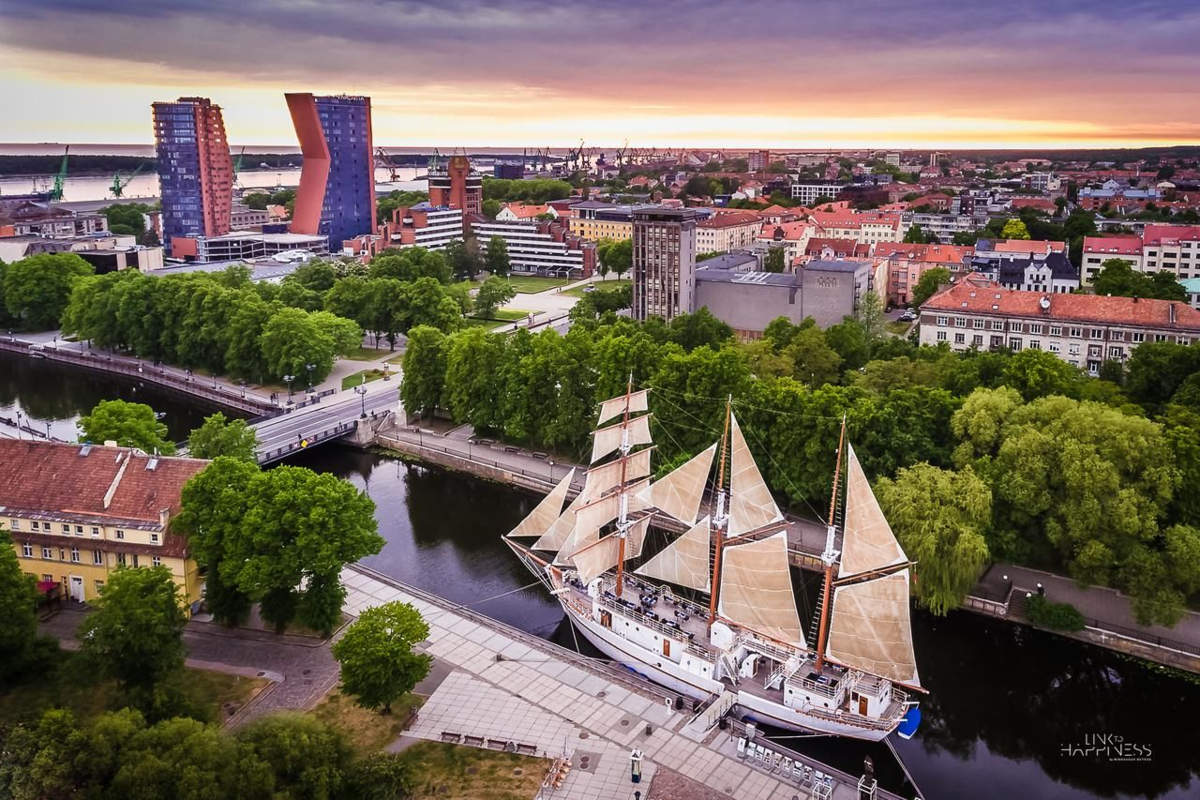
(195, 170)
(336, 197)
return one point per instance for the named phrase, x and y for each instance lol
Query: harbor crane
(119, 184)
(384, 161)
(56, 194)
(620, 154)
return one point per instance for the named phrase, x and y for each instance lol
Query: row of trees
(1088, 476)
(539, 190)
(278, 537)
(137, 425)
(35, 290)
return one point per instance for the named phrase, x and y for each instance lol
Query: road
(295, 426)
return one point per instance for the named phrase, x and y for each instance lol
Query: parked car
(908, 316)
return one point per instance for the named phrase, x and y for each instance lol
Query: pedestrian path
(508, 687)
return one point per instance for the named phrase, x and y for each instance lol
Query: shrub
(1057, 616)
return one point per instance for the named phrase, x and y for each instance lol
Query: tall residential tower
(664, 262)
(195, 171)
(336, 197)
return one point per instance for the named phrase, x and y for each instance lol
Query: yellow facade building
(593, 220)
(77, 512)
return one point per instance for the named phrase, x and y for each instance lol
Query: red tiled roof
(1170, 234)
(791, 231)
(523, 211)
(928, 253)
(1027, 246)
(983, 297)
(1116, 245)
(1039, 203)
(729, 220)
(50, 477)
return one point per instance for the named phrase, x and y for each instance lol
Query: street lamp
(18, 424)
(47, 430)
(243, 390)
(288, 380)
(55, 342)
(310, 368)
(361, 391)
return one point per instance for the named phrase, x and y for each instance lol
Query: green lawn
(489, 324)
(897, 327)
(601, 286)
(214, 694)
(366, 731)
(499, 318)
(350, 381)
(365, 354)
(532, 284)
(455, 772)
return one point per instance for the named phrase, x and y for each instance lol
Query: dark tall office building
(664, 262)
(195, 171)
(336, 197)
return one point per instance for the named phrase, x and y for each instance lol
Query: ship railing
(654, 625)
(871, 685)
(780, 654)
(849, 718)
(833, 690)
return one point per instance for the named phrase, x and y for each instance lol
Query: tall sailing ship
(713, 613)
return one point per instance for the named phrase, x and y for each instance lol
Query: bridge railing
(341, 429)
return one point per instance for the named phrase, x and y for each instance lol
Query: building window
(1094, 350)
(120, 534)
(1016, 327)
(98, 557)
(1073, 349)
(1076, 333)
(1035, 328)
(95, 531)
(978, 324)
(74, 555)
(977, 340)
(1035, 344)
(1056, 330)
(121, 559)
(1137, 337)
(156, 561)
(154, 538)
(1114, 352)
(1117, 336)
(960, 338)
(997, 325)
(47, 553)
(941, 336)
(960, 322)
(1014, 344)
(1054, 348)
(1097, 333)
(942, 321)
(1160, 337)
(66, 529)
(27, 550)
(79, 530)
(14, 524)
(99, 586)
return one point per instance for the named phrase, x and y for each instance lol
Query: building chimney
(1171, 312)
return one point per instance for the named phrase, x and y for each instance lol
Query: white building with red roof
(726, 231)
(1169, 248)
(1082, 329)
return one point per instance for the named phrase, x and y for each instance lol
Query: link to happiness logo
(1107, 746)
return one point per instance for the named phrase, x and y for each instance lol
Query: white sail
(679, 493)
(557, 535)
(756, 589)
(597, 558)
(609, 439)
(589, 519)
(750, 503)
(606, 476)
(684, 561)
(868, 543)
(870, 628)
(546, 512)
(636, 537)
(617, 405)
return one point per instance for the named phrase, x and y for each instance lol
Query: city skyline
(529, 73)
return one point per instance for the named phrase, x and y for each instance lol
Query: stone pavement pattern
(532, 695)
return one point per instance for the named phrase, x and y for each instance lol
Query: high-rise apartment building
(455, 184)
(336, 197)
(664, 262)
(195, 171)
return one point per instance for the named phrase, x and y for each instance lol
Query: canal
(1011, 711)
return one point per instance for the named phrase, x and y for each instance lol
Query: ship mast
(720, 520)
(829, 555)
(623, 503)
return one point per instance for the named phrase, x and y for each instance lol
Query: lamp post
(288, 380)
(361, 391)
(47, 430)
(243, 390)
(310, 368)
(18, 424)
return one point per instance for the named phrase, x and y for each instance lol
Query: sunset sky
(804, 73)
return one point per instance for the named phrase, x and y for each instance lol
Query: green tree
(493, 293)
(869, 314)
(1014, 229)
(18, 617)
(37, 288)
(381, 776)
(928, 284)
(699, 329)
(940, 518)
(219, 436)
(473, 382)
(1157, 370)
(127, 424)
(616, 256)
(497, 256)
(424, 370)
(916, 236)
(306, 759)
(412, 263)
(815, 362)
(1036, 373)
(376, 656)
(776, 259)
(491, 208)
(135, 635)
(292, 339)
(257, 200)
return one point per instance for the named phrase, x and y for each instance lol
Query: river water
(1010, 713)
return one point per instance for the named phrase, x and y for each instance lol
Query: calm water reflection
(1005, 701)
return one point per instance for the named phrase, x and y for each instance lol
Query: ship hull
(668, 674)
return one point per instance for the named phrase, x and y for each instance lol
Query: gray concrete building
(664, 262)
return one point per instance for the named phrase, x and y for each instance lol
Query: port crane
(56, 194)
(384, 161)
(119, 184)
